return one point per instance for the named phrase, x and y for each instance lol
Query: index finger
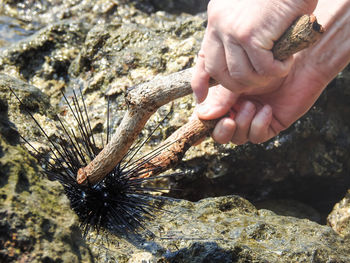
(200, 79)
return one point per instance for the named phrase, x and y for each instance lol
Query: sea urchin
(119, 203)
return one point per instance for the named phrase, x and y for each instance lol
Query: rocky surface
(105, 47)
(339, 218)
(36, 223)
(230, 229)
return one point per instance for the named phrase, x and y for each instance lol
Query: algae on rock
(106, 47)
(36, 222)
(231, 229)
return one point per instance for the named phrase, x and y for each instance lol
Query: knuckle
(213, 12)
(244, 36)
(244, 33)
(240, 77)
(212, 70)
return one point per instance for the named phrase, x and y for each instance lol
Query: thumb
(200, 79)
(218, 102)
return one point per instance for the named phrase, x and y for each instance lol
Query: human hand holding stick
(144, 99)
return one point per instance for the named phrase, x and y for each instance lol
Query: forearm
(332, 53)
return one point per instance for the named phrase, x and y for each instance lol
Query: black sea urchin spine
(119, 203)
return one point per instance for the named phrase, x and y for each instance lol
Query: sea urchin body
(119, 203)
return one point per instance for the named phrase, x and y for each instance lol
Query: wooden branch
(176, 146)
(301, 34)
(144, 99)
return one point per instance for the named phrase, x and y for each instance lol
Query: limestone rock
(339, 218)
(36, 223)
(230, 229)
(105, 47)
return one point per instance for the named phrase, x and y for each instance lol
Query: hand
(236, 47)
(258, 118)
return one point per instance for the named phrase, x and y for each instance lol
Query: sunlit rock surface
(106, 47)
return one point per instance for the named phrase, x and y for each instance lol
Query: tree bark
(144, 99)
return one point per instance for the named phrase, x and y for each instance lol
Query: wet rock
(12, 30)
(101, 48)
(44, 58)
(105, 47)
(292, 208)
(138, 51)
(37, 14)
(339, 218)
(230, 229)
(34, 102)
(173, 6)
(36, 223)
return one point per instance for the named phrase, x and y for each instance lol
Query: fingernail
(203, 109)
(248, 107)
(266, 110)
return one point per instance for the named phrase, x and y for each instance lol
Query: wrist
(332, 52)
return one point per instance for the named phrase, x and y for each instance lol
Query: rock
(36, 223)
(43, 59)
(173, 6)
(291, 208)
(35, 102)
(230, 229)
(339, 218)
(82, 48)
(105, 47)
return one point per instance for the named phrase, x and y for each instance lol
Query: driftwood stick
(301, 34)
(144, 99)
(176, 146)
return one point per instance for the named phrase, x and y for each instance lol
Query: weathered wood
(177, 144)
(144, 99)
(301, 34)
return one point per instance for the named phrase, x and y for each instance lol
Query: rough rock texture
(339, 218)
(105, 47)
(230, 229)
(36, 223)
(178, 6)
